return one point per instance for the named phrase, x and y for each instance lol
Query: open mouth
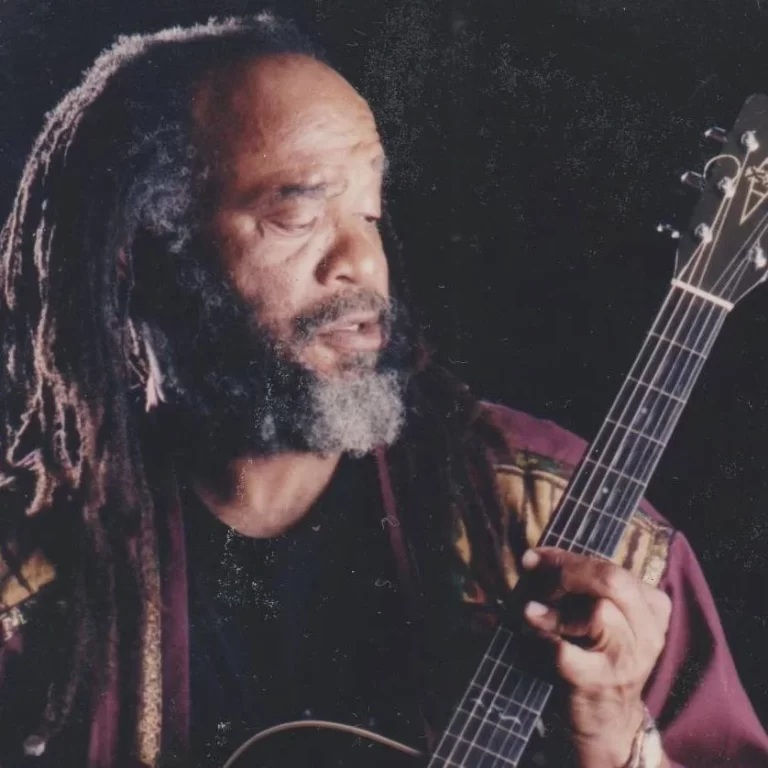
(357, 333)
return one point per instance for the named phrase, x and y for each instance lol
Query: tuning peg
(757, 257)
(726, 186)
(749, 141)
(673, 233)
(716, 134)
(693, 179)
(703, 233)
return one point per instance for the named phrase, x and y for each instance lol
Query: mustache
(337, 307)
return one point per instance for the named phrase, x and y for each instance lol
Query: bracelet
(646, 749)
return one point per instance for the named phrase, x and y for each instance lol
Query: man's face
(297, 178)
(290, 341)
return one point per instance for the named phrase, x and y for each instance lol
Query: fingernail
(531, 559)
(536, 610)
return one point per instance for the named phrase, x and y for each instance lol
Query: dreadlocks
(104, 166)
(113, 164)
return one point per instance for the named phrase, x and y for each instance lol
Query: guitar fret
(477, 698)
(565, 542)
(517, 705)
(634, 431)
(504, 700)
(476, 747)
(601, 465)
(509, 731)
(676, 343)
(502, 704)
(594, 508)
(657, 389)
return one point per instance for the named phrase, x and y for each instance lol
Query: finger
(592, 576)
(604, 625)
(582, 668)
(551, 620)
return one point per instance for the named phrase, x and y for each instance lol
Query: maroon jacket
(695, 693)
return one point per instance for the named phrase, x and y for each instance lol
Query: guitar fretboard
(496, 718)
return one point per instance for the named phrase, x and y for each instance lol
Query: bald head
(262, 109)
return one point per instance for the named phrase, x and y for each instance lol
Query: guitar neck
(617, 467)
(498, 714)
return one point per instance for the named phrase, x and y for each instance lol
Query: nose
(356, 257)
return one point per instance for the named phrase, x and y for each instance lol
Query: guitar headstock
(724, 251)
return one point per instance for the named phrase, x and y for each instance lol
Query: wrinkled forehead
(286, 104)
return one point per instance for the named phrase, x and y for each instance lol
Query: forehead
(281, 111)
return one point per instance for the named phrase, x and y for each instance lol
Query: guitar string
(648, 454)
(616, 523)
(535, 690)
(494, 706)
(536, 706)
(672, 370)
(578, 515)
(703, 264)
(486, 657)
(670, 367)
(676, 301)
(680, 370)
(732, 276)
(681, 303)
(455, 716)
(538, 687)
(667, 359)
(703, 254)
(669, 413)
(707, 329)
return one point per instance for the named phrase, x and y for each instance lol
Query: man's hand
(608, 629)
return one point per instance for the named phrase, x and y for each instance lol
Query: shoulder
(533, 460)
(521, 432)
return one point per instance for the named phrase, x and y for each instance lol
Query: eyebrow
(314, 191)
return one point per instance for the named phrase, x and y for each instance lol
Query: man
(236, 491)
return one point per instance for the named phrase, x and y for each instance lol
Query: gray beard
(354, 415)
(355, 411)
(235, 389)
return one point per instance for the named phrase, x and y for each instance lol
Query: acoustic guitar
(720, 259)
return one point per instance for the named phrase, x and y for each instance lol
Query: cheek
(270, 276)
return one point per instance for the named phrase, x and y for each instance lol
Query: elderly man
(236, 491)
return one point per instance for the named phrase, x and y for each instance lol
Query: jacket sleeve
(695, 694)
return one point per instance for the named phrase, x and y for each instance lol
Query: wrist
(611, 744)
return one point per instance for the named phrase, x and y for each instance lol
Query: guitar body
(321, 744)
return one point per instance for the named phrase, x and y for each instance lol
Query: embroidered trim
(36, 573)
(530, 488)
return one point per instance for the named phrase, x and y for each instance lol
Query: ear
(154, 387)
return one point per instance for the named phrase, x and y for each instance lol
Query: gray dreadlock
(113, 157)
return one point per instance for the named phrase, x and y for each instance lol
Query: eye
(292, 227)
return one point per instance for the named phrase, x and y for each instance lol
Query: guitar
(719, 260)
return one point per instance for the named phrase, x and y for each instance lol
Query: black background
(536, 145)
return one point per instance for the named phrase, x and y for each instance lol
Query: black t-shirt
(309, 624)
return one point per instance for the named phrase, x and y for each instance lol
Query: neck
(263, 496)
